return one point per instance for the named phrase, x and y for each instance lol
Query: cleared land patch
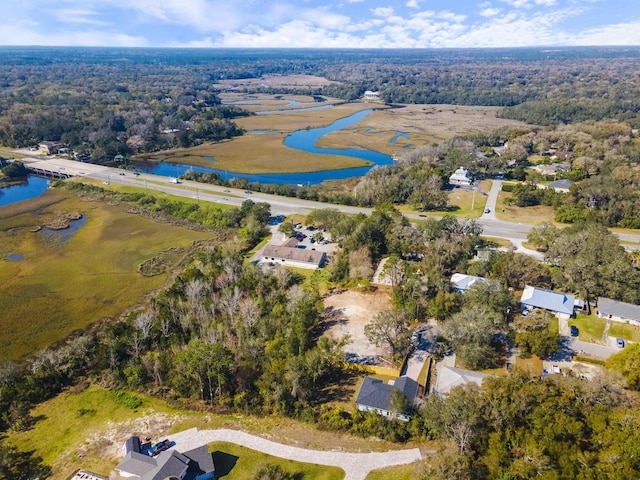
(275, 81)
(347, 313)
(60, 287)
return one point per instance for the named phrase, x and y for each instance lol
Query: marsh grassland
(58, 287)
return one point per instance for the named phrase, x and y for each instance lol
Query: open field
(86, 429)
(274, 81)
(235, 462)
(534, 215)
(60, 287)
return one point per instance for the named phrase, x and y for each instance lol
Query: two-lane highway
(492, 227)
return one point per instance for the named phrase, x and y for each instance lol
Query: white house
(461, 177)
(450, 377)
(618, 311)
(462, 283)
(293, 256)
(371, 95)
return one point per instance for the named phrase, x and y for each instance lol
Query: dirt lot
(347, 313)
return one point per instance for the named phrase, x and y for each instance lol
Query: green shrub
(126, 399)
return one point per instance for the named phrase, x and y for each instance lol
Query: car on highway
(136, 174)
(227, 191)
(620, 342)
(487, 210)
(574, 331)
(122, 173)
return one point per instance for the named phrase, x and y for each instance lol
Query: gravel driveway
(356, 465)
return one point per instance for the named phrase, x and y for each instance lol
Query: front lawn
(590, 327)
(624, 330)
(235, 462)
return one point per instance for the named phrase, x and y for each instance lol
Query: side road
(356, 465)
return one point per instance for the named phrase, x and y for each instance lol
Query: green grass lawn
(235, 462)
(626, 331)
(590, 327)
(401, 472)
(67, 425)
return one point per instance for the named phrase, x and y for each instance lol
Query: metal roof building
(558, 302)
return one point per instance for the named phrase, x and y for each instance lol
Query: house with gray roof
(449, 377)
(556, 302)
(561, 185)
(618, 311)
(195, 464)
(461, 282)
(375, 396)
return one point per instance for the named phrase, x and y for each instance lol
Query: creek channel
(304, 140)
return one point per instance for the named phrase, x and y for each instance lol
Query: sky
(320, 23)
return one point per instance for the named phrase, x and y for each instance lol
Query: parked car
(487, 210)
(620, 342)
(574, 331)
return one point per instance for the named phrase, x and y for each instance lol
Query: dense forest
(108, 101)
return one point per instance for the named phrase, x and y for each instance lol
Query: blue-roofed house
(461, 282)
(375, 396)
(556, 302)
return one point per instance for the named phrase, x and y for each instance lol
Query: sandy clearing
(347, 313)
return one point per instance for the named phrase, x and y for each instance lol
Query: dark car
(574, 331)
(620, 342)
(487, 210)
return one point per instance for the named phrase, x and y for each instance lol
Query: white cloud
(31, 33)
(70, 15)
(490, 12)
(616, 34)
(413, 4)
(382, 11)
(546, 3)
(516, 3)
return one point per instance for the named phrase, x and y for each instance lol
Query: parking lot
(307, 238)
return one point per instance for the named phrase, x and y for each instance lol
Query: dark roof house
(195, 464)
(375, 395)
(618, 311)
(557, 302)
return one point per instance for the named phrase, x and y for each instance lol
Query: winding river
(304, 140)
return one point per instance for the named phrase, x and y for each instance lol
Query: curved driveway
(355, 465)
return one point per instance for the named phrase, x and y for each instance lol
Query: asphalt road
(492, 227)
